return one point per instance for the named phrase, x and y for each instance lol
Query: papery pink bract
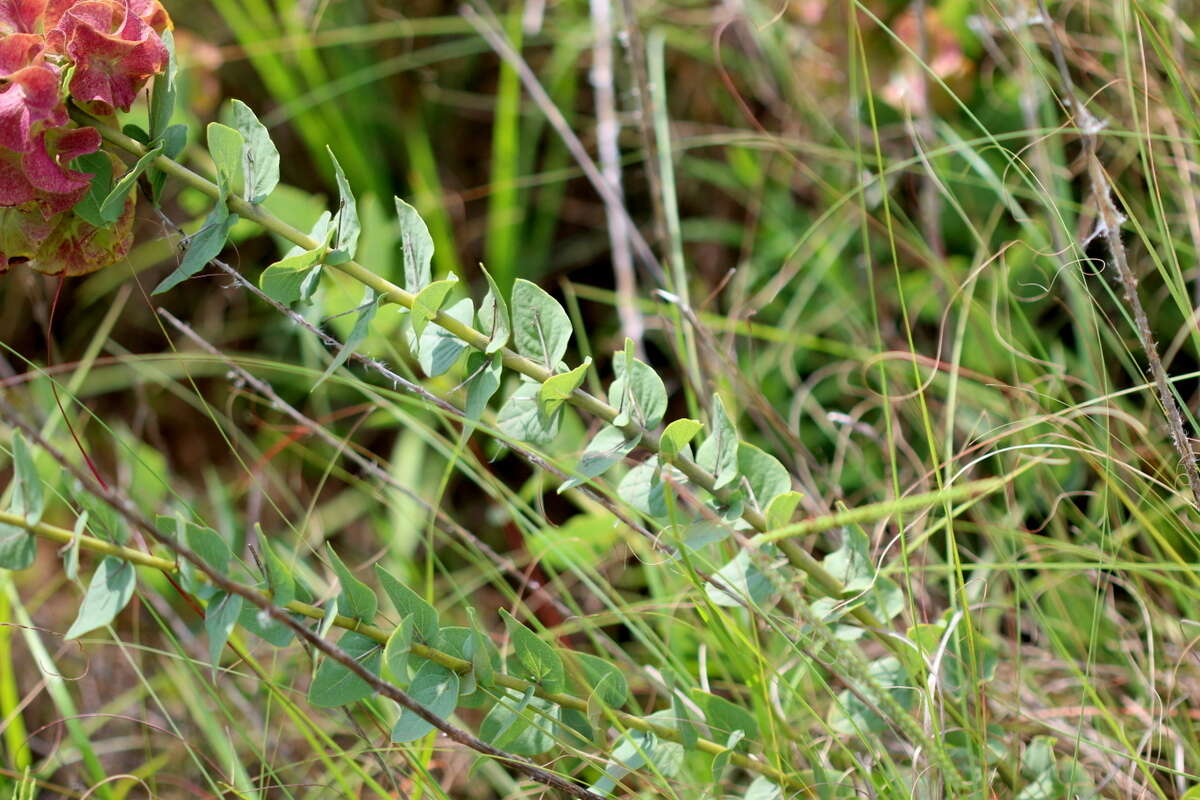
(29, 91)
(152, 13)
(40, 176)
(54, 12)
(76, 247)
(31, 97)
(19, 50)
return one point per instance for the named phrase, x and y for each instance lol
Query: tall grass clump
(599, 399)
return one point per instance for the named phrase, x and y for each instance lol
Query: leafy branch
(668, 450)
(106, 598)
(74, 539)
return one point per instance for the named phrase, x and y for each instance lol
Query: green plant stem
(54, 533)
(827, 583)
(65, 536)
(856, 669)
(873, 512)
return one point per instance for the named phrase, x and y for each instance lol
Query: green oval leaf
(493, 315)
(637, 748)
(741, 581)
(521, 417)
(220, 616)
(504, 720)
(70, 551)
(260, 163)
(637, 392)
(520, 723)
(541, 328)
(721, 759)
(409, 604)
(417, 245)
(780, 510)
(437, 349)
(226, 146)
(480, 650)
(395, 652)
(767, 477)
(851, 563)
(334, 684)
(603, 679)
(212, 549)
(719, 453)
(761, 788)
(270, 630)
(435, 688)
(162, 97)
(429, 302)
(677, 435)
(109, 591)
(114, 202)
(536, 661)
(100, 167)
(556, 389)
(346, 218)
(280, 582)
(485, 372)
(285, 281)
(28, 498)
(606, 448)
(725, 718)
(356, 598)
(203, 246)
(18, 547)
(644, 489)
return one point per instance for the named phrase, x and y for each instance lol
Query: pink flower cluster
(109, 48)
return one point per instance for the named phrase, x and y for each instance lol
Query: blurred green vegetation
(897, 281)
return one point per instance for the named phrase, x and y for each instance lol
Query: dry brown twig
(1109, 226)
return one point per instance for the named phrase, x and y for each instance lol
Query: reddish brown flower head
(114, 51)
(113, 48)
(149, 11)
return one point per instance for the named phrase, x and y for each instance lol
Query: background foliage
(900, 247)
